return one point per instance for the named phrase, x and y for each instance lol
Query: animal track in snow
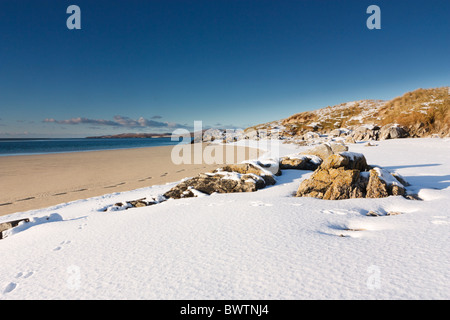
(81, 226)
(61, 245)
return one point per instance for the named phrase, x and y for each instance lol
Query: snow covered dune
(266, 244)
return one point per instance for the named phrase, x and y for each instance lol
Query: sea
(9, 147)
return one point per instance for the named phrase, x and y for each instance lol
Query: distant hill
(419, 113)
(132, 135)
(140, 135)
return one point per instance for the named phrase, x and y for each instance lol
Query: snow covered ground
(262, 245)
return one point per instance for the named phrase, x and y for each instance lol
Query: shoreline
(32, 182)
(103, 148)
(76, 151)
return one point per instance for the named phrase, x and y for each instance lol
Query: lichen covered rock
(346, 175)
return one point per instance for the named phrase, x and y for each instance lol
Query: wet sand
(30, 182)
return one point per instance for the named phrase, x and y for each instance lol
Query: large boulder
(366, 133)
(338, 177)
(346, 175)
(332, 184)
(392, 131)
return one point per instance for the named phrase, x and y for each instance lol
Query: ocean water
(43, 146)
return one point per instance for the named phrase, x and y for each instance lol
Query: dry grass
(424, 109)
(429, 108)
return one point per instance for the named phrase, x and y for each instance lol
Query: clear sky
(152, 66)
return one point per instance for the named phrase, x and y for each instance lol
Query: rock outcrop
(341, 175)
(392, 131)
(365, 133)
(300, 162)
(138, 203)
(265, 171)
(244, 177)
(346, 175)
(208, 183)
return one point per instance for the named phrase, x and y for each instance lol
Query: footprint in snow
(13, 285)
(9, 287)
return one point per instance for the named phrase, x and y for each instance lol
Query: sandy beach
(37, 181)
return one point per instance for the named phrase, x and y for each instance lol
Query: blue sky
(152, 66)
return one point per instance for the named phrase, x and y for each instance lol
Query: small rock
(393, 213)
(138, 203)
(300, 162)
(412, 197)
(372, 214)
(11, 224)
(350, 139)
